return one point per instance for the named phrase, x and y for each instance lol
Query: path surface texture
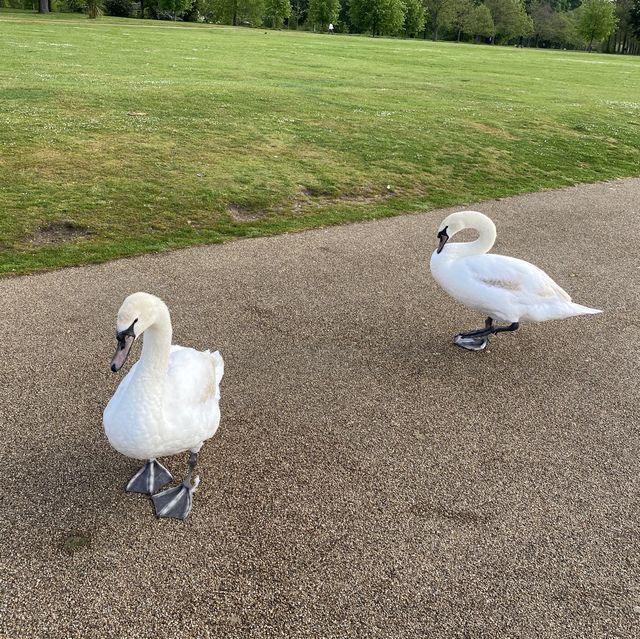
(369, 478)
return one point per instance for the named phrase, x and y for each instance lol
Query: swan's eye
(443, 233)
(127, 332)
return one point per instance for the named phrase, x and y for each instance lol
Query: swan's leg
(475, 340)
(501, 329)
(149, 479)
(176, 502)
(481, 332)
(478, 340)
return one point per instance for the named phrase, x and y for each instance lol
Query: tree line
(610, 25)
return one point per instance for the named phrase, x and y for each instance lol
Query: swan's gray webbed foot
(149, 479)
(478, 340)
(176, 502)
(471, 343)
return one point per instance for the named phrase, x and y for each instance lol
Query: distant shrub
(94, 8)
(121, 8)
(72, 6)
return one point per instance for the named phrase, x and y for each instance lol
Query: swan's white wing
(507, 289)
(191, 375)
(509, 274)
(218, 367)
(191, 400)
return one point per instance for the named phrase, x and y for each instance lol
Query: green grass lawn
(124, 136)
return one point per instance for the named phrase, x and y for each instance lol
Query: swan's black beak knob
(443, 238)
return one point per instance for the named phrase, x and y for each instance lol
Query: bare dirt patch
(308, 192)
(244, 214)
(367, 196)
(59, 232)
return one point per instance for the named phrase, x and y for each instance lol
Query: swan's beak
(125, 342)
(444, 238)
(124, 346)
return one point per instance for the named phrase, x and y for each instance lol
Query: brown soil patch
(59, 232)
(244, 214)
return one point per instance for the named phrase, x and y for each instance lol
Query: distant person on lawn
(331, 27)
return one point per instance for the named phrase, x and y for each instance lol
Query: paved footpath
(369, 478)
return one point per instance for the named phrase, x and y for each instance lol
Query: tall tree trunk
(142, 8)
(608, 47)
(44, 6)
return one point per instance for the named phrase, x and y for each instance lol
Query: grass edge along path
(149, 136)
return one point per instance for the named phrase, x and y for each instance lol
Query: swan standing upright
(503, 288)
(167, 403)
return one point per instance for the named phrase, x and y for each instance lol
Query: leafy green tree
(479, 22)
(277, 11)
(510, 19)
(623, 38)
(121, 8)
(174, 7)
(236, 12)
(299, 12)
(344, 19)
(634, 17)
(71, 6)
(458, 10)
(549, 24)
(596, 20)
(323, 12)
(437, 15)
(94, 9)
(378, 17)
(414, 17)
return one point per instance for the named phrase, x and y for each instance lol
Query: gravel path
(369, 479)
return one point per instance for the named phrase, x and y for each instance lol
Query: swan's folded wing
(511, 275)
(218, 366)
(192, 376)
(191, 397)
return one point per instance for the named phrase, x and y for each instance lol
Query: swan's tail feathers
(218, 365)
(578, 309)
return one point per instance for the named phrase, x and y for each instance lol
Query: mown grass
(124, 136)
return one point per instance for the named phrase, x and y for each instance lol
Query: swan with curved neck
(503, 288)
(167, 403)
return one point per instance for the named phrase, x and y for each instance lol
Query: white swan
(167, 403)
(503, 288)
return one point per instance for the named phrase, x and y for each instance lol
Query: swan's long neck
(486, 238)
(156, 345)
